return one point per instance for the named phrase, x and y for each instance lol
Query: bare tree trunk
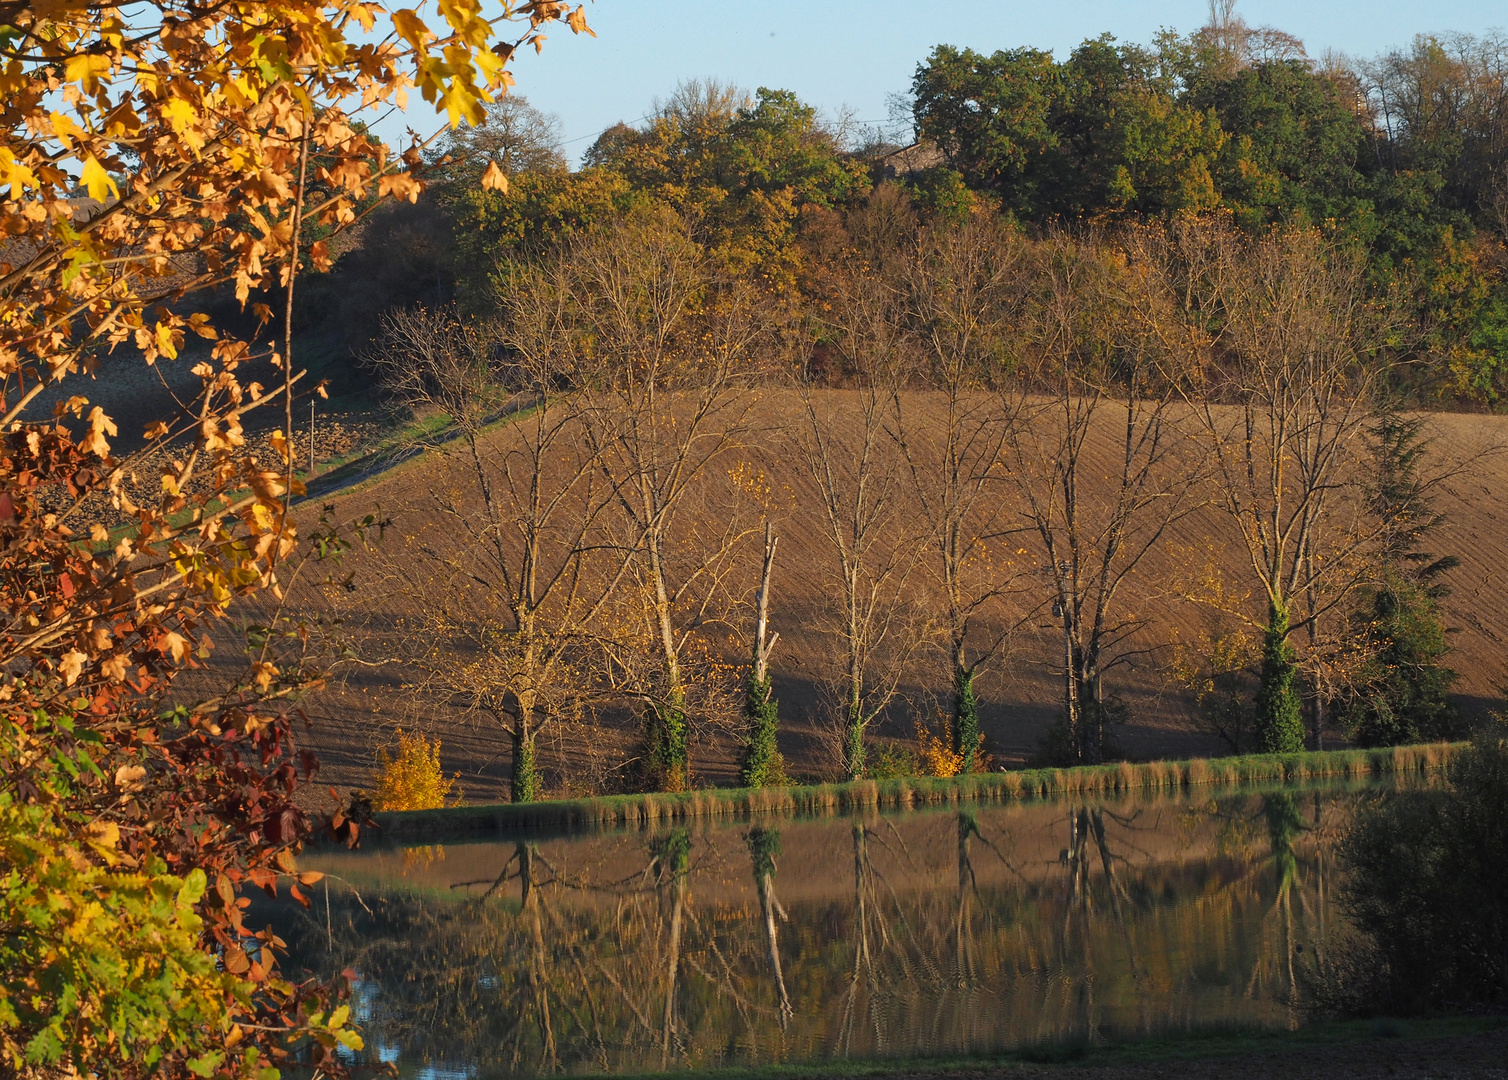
(764, 845)
(760, 762)
(539, 971)
(762, 644)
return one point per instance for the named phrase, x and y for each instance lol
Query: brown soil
(359, 710)
(135, 395)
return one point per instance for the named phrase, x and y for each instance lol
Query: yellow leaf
(129, 777)
(71, 665)
(85, 69)
(400, 186)
(264, 673)
(177, 644)
(179, 113)
(165, 343)
(493, 179)
(103, 832)
(261, 518)
(577, 21)
(65, 129)
(98, 182)
(410, 27)
(100, 425)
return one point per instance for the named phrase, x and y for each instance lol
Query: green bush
(1427, 893)
(893, 760)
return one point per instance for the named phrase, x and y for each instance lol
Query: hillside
(1019, 695)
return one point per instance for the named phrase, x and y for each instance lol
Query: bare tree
(1094, 456)
(513, 135)
(961, 298)
(672, 348)
(1293, 358)
(514, 575)
(847, 450)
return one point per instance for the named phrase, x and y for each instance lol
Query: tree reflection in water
(918, 934)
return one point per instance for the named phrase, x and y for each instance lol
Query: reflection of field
(916, 934)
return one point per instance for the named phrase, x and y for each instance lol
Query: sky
(855, 53)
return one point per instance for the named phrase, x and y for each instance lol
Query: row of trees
(1405, 156)
(1020, 424)
(1402, 157)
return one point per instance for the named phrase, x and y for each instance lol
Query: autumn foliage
(151, 151)
(412, 778)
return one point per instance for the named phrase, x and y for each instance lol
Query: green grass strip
(1198, 1045)
(905, 793)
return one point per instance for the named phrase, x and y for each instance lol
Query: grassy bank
(1327, 1042)
(911, 792)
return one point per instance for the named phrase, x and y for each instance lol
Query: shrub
(129, 824)
(892, 759)
(100, 949)
(1427, 892)
(935, 756)
(413, 780)
(1403, 693)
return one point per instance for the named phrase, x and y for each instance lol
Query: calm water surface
(916, 934)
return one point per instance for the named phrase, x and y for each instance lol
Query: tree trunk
(1072, 714)
(669, 750)
(965, 715)
(524, 781)
(760, 763)
(1280, 719)
(523, 784)
(853, 720)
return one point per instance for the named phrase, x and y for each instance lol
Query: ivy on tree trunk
(1280, 716)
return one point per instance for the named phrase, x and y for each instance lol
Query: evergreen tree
(1402, 693)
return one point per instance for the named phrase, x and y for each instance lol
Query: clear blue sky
(834, 53)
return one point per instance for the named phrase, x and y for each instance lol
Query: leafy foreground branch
(130, 826)
(219, 145)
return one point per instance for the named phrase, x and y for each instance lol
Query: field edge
(905, 793)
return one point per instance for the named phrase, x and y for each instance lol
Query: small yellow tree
(413, 779)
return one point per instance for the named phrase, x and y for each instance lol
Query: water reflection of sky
(922, 934)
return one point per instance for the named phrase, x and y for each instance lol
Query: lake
(778, 940)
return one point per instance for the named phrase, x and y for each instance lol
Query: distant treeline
(1404, 158)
